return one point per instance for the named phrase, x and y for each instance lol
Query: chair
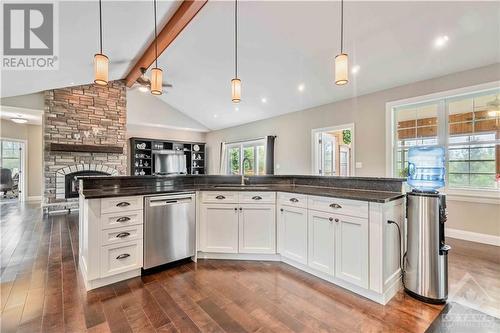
(6, 181)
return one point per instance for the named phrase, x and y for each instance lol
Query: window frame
(442, 98)
(242, 145)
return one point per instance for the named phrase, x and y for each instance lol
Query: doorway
(12, 166)
(333, 151)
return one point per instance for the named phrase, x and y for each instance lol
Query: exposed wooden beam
(181, 18)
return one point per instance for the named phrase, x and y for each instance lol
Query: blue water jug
(426, 168)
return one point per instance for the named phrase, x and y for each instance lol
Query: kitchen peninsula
(332, 227)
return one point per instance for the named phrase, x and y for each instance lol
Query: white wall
(367, 112)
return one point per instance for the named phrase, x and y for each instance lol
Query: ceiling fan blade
(143, 81)
(167, 85)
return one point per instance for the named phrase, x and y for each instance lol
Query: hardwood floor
(41, 290)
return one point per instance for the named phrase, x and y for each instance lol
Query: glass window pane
(234, 161)
(261, 151)
(459, 180)
(458, 167)
(482, 167)
(483, 153)
(459, 154)
(249, 161)
(483, 181)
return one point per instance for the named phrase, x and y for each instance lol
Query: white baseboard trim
(473, 236)
(34, 198)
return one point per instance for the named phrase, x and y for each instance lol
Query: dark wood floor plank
(115, 316)
(179, 318)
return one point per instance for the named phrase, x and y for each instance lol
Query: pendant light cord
(341, 26)
(236, 39)
(156, 38)
(100, 26)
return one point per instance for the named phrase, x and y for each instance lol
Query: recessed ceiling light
(301, 87)
(236, 109)
(263, 100)
(441, 41)
(19, 120)
(143, 89)
(215, 116)
(72, 83)
(355, 69)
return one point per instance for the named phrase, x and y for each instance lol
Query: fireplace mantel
(69, 147)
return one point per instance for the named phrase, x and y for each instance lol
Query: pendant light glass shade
(156, 81)
(341, 69)
(236, 90)
(101, 63)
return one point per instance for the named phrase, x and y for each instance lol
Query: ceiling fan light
(341, 69)
(236, 90)
(156, 81)
(101, 63)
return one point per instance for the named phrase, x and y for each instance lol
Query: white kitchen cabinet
(351, 249)
(219, 228)
(293, 233)
(257, 228)
(321, 240)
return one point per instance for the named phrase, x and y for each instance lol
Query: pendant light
(156, 73)
(101, 62)
(236, 83)
(341, 60)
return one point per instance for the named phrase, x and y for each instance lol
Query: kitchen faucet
(243, 178)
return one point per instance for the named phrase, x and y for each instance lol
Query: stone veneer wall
(90, 115)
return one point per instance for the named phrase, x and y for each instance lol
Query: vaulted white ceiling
(282, 45)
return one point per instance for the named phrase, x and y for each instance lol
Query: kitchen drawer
(121, 204)
(339, 206)
(121, 235)
(257, 197)
(121, 258)
(291, 199)
(219, 197)
(116, 220)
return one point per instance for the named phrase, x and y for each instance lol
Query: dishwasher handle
(166, 202)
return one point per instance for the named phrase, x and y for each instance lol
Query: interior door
(344, 161)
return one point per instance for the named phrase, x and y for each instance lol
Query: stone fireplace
(66, 183)
(84, 131)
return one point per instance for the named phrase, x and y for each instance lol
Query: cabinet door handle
(294, 200)
(123, 256)
(337, 220)
(281, 209)
(330, 219)
(220, 197)
(235, 209)
(123, 219)
(123, 204)
(257, 197)
(123, 234)
(336, 206)
(241, 208)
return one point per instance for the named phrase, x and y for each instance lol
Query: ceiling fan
(144, 81)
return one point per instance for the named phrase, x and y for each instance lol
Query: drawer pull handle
(123, 204)
(330, 219)
(123, 219)
(336, 220)
(123, 234)
(123, 256)
(294, 200)
(220, 197)
(257, 197)
(334, 205)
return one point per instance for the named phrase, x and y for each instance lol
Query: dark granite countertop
(353, 194)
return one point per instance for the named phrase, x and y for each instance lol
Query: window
(467, 125)
(249, 156)
(10, 156)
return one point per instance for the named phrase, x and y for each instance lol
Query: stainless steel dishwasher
(169, 228)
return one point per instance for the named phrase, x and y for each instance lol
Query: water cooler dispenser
(426, 260)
